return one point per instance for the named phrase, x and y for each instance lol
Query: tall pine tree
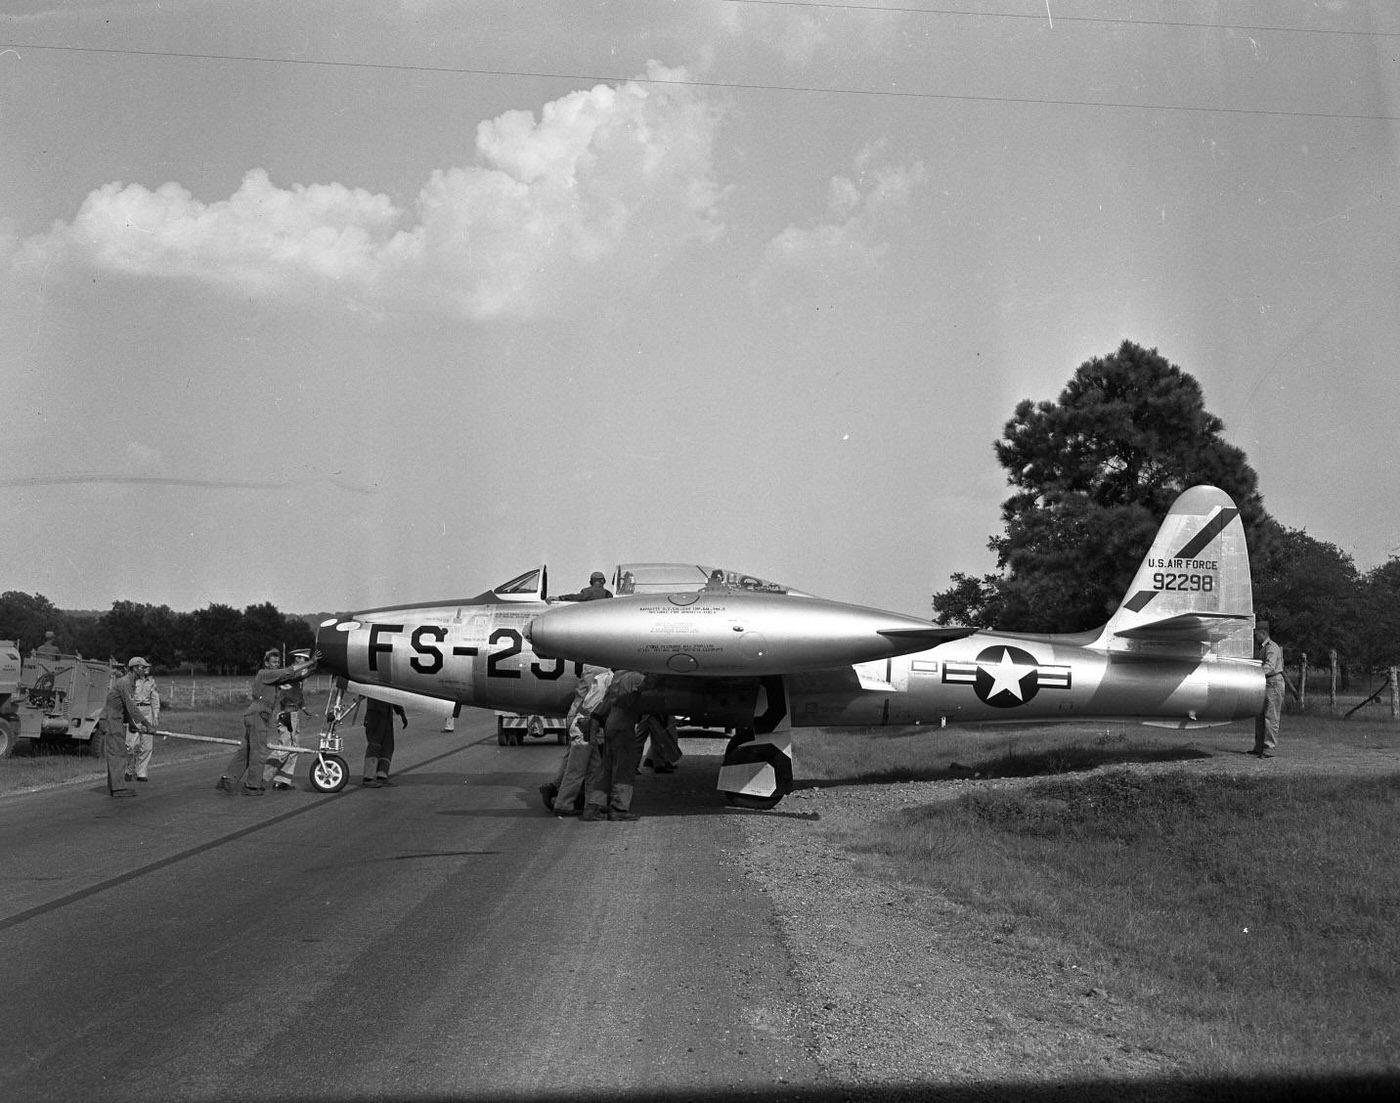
(1092, 475)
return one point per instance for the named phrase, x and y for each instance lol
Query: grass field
(1257, 904)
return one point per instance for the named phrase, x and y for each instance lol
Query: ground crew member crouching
(379, 740)
(665, 751)
(609, 784)
(118, 711)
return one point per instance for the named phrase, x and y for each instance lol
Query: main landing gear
(757, 770)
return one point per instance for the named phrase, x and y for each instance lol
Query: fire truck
(50, 697)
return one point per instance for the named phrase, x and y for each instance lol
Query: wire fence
(215, 691)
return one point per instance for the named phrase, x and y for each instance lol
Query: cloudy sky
(345, 303)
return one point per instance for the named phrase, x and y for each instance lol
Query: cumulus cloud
(605, 185)
(861, 211)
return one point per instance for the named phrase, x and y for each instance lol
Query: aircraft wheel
(329, 773)
(740, 751)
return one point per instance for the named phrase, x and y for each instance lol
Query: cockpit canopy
(665, 578)
(648, 578)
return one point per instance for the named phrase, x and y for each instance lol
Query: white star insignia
(1006, 677)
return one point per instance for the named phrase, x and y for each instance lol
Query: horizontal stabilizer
(1201, 628)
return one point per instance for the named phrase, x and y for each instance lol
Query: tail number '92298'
(1181, 581)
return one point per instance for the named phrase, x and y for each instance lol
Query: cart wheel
(329, 773)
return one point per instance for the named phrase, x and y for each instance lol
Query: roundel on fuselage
(1007, 677)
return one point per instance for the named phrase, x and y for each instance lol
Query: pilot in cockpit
(595, 590)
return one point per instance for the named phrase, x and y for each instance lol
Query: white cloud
(862, 209)
(604, 187)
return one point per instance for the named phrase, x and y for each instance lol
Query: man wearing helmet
(596, 589)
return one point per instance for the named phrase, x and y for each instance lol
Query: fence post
(1302, 681)
(1332, 700)
(1394, 693)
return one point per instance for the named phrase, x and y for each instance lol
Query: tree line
(1093, 473)
(218, 639)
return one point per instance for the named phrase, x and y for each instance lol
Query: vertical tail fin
(1192, 594)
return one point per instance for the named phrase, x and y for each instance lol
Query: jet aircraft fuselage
(725, 649)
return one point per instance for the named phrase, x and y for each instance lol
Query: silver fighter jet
(727, 649)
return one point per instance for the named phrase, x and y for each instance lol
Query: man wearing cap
(140, 744)
(247, 762)
(119, 711)
(1266, 723)
(596, 590)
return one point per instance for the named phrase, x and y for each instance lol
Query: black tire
(328, 773)
(9, 738)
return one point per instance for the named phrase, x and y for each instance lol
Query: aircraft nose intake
(332, 644)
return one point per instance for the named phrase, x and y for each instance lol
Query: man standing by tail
(1266, 723)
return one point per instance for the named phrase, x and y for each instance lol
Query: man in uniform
(281, 766)
(596, 590)
(119, 710)
(140, 744)
(610, 776)
(561, 794)
(1266, 723)
(248, 761)
(379, 740)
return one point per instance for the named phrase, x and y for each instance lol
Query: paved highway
(443, 937)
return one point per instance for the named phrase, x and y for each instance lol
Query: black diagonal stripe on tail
(1139, 600)
(1197, 543)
